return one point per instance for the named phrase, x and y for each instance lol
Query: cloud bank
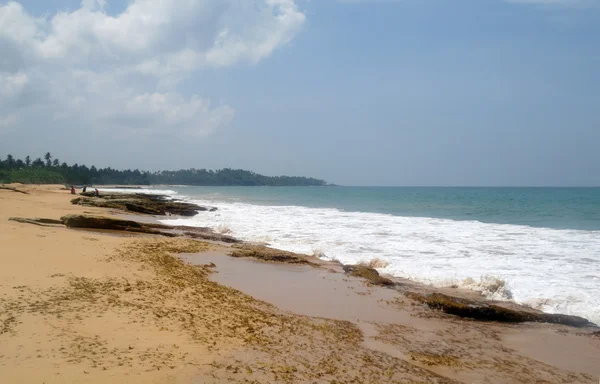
(121, 73)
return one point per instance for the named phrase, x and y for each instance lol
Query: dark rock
(367, 273)
(484, 311)
(96, 202)
(114, 224)
(88, 194)
(107, 223)
(183, 209)
(212, 236)
(141, 208)
(99, 222)
(159, 205)
(153, 197)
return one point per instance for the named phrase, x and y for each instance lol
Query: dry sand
(86, 307)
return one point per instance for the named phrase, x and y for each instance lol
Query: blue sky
(356, 92)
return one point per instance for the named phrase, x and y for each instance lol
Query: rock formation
(487, 311)
(160, 205)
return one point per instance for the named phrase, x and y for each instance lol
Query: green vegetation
(52, 171)
(32, 176)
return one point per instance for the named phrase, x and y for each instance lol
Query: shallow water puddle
(315, 292)
(303, 290)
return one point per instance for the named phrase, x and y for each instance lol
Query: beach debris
(368, 273)
(145, 203)
(36, 221)
(269, 254)
(13, 189)
(486, 311)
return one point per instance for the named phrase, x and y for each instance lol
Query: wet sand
(81, 306)
(392, 326)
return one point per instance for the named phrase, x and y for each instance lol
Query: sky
(356, 92)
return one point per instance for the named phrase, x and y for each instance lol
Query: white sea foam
(155, 191)
(490, 286)
(553, 270)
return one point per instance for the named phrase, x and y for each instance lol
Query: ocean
(535, 246)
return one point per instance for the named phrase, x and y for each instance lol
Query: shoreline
(387, 333)
(414, 285)
(440, 252)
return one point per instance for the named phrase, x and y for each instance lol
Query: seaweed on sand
(269, 254)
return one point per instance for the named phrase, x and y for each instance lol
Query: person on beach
(84, 188)
(72, 190)
(96, 192)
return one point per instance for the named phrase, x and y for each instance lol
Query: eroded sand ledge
(82, 306)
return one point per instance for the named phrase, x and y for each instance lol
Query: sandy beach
(81, 306)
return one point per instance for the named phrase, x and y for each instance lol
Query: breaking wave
(155, 191)
(549, 269)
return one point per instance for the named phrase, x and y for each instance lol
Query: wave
(490, 286)
(547, 268)
(155, 191)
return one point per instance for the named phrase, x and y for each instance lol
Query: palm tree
(55, 163)
(48, 158)
(10, 161)
(28, 161)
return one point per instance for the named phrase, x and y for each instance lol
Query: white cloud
(248, 30)
(11, 85)
(7, 122)
(122, 71)
(157, 110)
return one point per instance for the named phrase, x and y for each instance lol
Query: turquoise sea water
(560, 208)
(535, 246)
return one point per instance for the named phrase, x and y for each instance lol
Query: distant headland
(50, 170)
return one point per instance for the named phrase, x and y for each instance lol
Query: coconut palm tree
(48, 158)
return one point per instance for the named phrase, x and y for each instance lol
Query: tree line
(49, 170)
